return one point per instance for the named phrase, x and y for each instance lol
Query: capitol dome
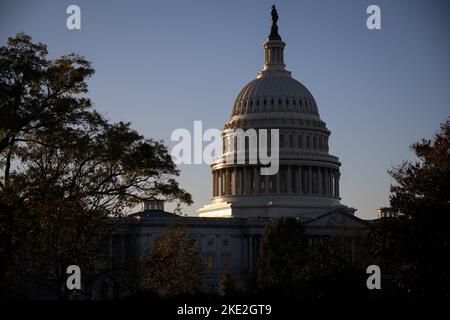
(273, 93)
(307, 182)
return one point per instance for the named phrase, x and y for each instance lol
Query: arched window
(271, 102)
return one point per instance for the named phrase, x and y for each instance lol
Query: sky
(161, 65)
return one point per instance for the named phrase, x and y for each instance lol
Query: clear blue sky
(163, 64)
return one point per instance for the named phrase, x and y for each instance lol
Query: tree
(412, 248)
(228, 286)
(281, 256)
(293, 264)
(173, 266)
(72, 171)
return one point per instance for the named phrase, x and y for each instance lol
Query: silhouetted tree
(66, 170)
(412, 248)
(228, 287)
(173, 266)
(279, 265)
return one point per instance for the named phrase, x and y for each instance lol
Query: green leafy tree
(66, 170)
(293, 264)
(279, 265)
(173, 266)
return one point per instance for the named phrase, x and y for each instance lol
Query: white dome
(274, 93)
(306, 183)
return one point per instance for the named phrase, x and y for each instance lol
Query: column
(213, 184)
(277, 185)
(234, 186)
(299, 177)
(309, 179)
(337, 184)
(242, 179)
(256, 177)
(288, 180)
(327, 182)
(228, 170)
(319, 180)
(224, 182)
(247, 180)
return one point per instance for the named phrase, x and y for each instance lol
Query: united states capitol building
(244, 202)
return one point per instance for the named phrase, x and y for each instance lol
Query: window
(299, 141)
(281, 141)
(265, 101)
(271, 102)
(210, 242)
(307, 142)
(291, 141)
(225, 242)
(314, 143)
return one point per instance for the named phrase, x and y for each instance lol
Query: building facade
(229, 229)
(307, 182)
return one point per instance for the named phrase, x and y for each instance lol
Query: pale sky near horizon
(161, 65)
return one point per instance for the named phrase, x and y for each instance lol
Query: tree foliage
(413, 247)
(173, 267)
(66, 169)
(293, 264)
(228, 286)
(281, 256)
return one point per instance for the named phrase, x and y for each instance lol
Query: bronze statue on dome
(274, 28)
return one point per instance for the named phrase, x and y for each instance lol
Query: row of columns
(290, 179)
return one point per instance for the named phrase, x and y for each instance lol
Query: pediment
(337, 220)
